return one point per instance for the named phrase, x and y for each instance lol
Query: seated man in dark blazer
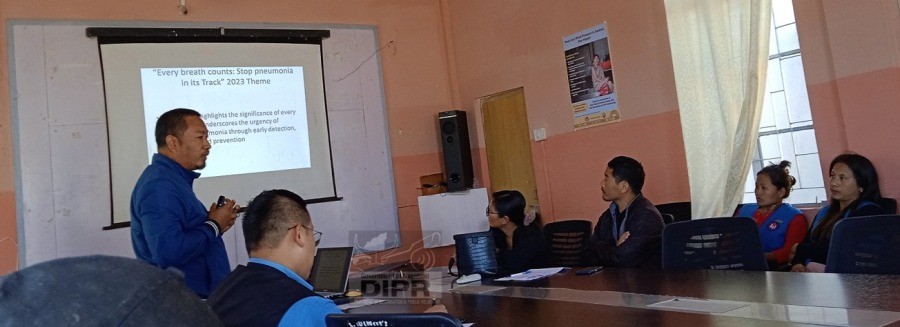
(629, 233)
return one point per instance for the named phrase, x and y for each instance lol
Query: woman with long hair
(517, 234)
(853, 187)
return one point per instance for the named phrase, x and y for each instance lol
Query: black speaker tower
(458, 170)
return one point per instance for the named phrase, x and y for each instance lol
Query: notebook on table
(330, 271)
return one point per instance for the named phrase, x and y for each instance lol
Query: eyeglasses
(488, 212)
(317, 235)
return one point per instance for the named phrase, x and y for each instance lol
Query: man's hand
(793, 252)
(798, 268)
(224, 215)
(437, 308)
(622, 238)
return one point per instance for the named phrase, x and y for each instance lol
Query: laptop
(331, 271)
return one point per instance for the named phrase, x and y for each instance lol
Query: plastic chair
(476, 253)
(567, 240)
(713, 243)
(865, 245)
(681, 211)
(393, 320)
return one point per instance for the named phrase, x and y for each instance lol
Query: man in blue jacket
(170, 227)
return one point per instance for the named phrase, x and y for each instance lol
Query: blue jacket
(265, 293)
(813, 249)
(773, 231)
(167, 226)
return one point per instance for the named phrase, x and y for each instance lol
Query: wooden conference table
(620, 297)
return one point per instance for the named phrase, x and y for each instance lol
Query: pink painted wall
(851, 57)
(498, 47)
(448, 53)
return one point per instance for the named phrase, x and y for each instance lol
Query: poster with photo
(591, 84)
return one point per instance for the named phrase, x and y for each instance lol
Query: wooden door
(508, 144)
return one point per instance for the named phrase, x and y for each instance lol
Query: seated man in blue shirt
(271, 290)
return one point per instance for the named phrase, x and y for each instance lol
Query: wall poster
(590, 72)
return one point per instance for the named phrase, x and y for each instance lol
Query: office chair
(865, 245)
(392, 320)
(889, 205)
(668, 218)
(714, 243)
(476, 253)
(681, 211)
(567, 240)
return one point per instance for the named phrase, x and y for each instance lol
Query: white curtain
(719, 52)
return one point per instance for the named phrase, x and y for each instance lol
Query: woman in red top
(780, 224)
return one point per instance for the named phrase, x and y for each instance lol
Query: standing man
(170, 227)
(629, 233)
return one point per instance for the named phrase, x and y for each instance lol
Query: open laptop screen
(331, 269)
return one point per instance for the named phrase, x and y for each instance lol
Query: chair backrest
(681, 211)
(865, 245)
(714, 243)
(889, 205)
(668, 218)
(476, 253)
(567, 240)
(392, 320)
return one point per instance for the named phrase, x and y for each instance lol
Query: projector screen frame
(116, 35)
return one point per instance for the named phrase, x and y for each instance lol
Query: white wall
(61, 144)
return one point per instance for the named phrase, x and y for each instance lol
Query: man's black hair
(172, 123)
(629, 170)
(269, 215)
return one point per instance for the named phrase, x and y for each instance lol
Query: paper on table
(359, 303)
(477, 289)
(531, 274)
(708, 306)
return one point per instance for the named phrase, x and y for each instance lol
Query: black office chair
(714, 243)
(567, 240)
(681, 211)
(476, 253)
(392, 319)
(865, 245)
(668, 218)
(738, 208)
(889, 205)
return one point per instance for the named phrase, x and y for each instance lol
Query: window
(786, 127)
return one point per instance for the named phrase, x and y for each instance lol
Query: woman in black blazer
(517, 234)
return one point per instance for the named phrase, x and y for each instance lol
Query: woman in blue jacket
(781, 226)
(853, 186)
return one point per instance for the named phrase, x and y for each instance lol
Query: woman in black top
(517, 234)
(854, 192)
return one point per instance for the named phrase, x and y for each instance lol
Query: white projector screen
(257, 113)
(263, 104)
